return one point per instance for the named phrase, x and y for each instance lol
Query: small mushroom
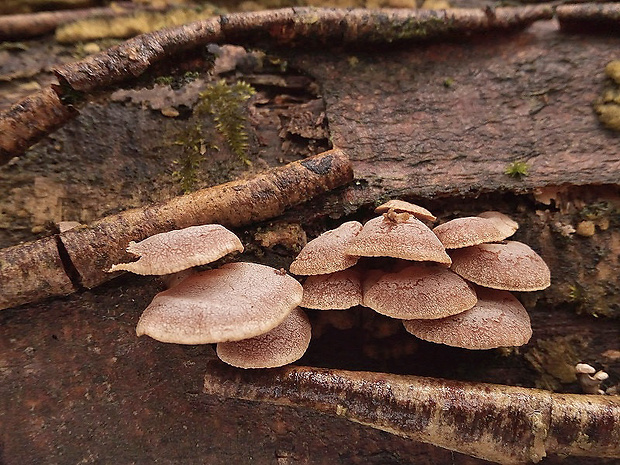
(419, 292)
(236, 301)
(468, 231)
(334, 291)
(284, 344)
(409, 239)
(497, 320)
(589, 379)
(400, 206)
(327, 253)
(503, 222)
(173, 251)
(510, 266)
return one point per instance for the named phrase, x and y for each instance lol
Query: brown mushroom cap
(511, 266)
(400, 206)
(334, 291)
(409, 239)
(284, 344)
(234, 302)
(468, 231)
(420, 292)
(178, 250)
(497, 320)
(326, 253)
(506, 224)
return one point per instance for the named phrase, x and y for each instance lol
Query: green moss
(164, 80)
(517, 169)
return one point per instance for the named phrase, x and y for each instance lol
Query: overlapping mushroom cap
(333, 291)
(409, 239)
(497, 320)
(284, 344)
(234, 302)
(470, 230)
(419, 292)
(178, 250)
(511, 266)
(327, 253)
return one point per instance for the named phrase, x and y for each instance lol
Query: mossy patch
(517, 169)
(607, 106)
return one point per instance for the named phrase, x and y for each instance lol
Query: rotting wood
(504, 424)
(290, 26)
(90, 251)
(31, 119)
(590, 17)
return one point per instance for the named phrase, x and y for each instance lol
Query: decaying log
(31, 119)
(504, 424)
(290, 26)
(593, 17)
(23, 26)
(34, 271)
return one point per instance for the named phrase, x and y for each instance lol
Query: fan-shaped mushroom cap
(506, 224)
(334, 291)
(468, 231)
(420, 292)
(326, 253)
(236, 301)
(177, 250)
(511, 266)
(409, 239)
(400, 206)
(284, 344)
(497, 320)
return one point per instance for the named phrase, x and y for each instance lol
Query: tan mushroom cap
(236, 301)
(420, 292)
(326, 253)
(400, 206)
(334, 291)
(178, 250)
(506, 224)
(408, 239)
(284, 344)
(497, 320)
(511, 266)
(468, 231)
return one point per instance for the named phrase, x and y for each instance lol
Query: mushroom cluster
(449, 285)
(250, 310)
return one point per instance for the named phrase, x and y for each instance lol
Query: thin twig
(39, 269)
(504, 424)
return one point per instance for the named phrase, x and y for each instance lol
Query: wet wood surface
(436, 123)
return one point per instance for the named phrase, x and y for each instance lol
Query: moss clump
(221, 108)
(607, 106)
(517, 169)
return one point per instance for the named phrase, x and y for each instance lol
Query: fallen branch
(590, 17)
(34, 271)
(290, 26)
(504, 424)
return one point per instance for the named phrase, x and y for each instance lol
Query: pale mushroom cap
(497, 320)
(334, 291)
(284, 344)
(234, 302)
(326, 253)
(408, 239)
(582, 368)
(178, 250)
(400, 206)
(468, 231)
(506, 224)
(511, 266)
(419, 292)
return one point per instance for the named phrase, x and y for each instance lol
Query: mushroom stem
(503, 424)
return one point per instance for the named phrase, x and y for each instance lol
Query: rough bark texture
(590, 17)
(434, 123)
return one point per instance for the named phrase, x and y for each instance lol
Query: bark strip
(28, 121)
(22, 26)
(504, 424)
(590, 17)
(35, 271)
(31, 271)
